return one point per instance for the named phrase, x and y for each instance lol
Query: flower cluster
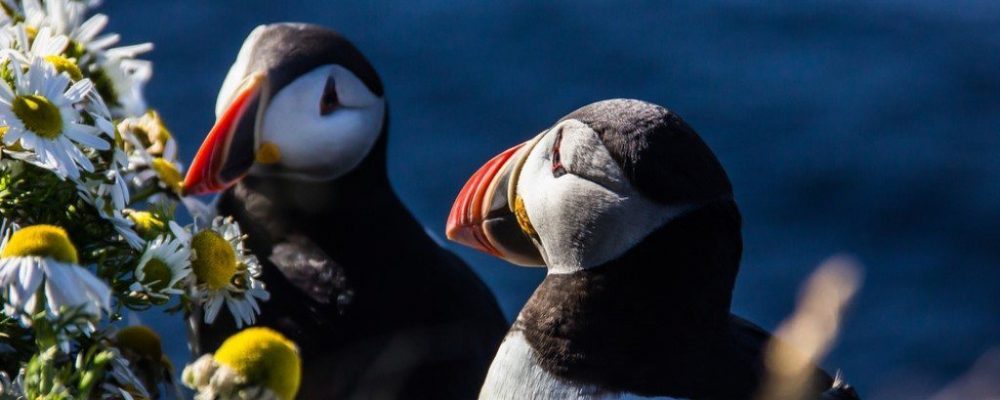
(89, 186)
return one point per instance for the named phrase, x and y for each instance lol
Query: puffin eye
(329, 102)
(557, 167)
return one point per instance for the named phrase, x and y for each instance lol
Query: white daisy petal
(79, 90)
(86, 135)
(91, 27)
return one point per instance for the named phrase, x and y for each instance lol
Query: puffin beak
(483, 217)
(228, 152)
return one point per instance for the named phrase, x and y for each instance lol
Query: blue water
(871, 128)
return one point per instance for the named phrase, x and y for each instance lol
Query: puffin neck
(659, 311)
(364, 192)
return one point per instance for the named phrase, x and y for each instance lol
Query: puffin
(378, 309)
(635, 220)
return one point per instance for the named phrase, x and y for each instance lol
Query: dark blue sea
(870, 128)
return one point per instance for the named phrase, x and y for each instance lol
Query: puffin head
(299, 102)
(589, 188)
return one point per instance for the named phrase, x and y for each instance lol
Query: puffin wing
(308, 268)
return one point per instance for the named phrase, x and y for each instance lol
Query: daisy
(40, 118)
(109, 199)
(118, 75)
(18, 42)
(254, 364)
(121, 81)
(225, 271)
(39, 271)
(150, 134)
(152, 152)
(163, 265)
(45, 45)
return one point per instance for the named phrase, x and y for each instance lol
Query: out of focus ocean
(870, 128)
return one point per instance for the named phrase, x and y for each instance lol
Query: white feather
(515, 374)
(237, 72)
(591, 214)
(327, 146)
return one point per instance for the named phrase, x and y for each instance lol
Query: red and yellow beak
(483, 216)
(229, 149)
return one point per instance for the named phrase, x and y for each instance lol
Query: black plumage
(378, 309)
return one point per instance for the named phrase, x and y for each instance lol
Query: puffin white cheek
(576, 221)
(585, 221)
(330, 146)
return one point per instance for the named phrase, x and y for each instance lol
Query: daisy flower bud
(256, 363)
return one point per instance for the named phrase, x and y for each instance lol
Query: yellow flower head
(39, 115)
(265, 357)
(140, 340)
(168, 174)
(146, 224)
(41, 241)
(214, 262)
(66, 65)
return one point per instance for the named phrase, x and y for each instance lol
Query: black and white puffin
(378, 309)
(634, 218)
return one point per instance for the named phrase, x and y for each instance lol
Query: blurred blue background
(871, 128)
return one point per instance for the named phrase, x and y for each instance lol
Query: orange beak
(482, 217)
(465, 222)
(228, 151)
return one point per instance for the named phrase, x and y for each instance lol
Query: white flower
(125, 76)
(110, 199)
(152, 153)
(40, 118)
(44, 44)
(163, 264)
(62, 15)
(39, 272)
(148, 133)
(225, 271)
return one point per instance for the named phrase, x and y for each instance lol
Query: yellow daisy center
(66, 65)
(140, 340)
(265, 357)
(156, 274)
(146, 224)
(167, 173)
(41, 241)
(214, 259)
(39, 115)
